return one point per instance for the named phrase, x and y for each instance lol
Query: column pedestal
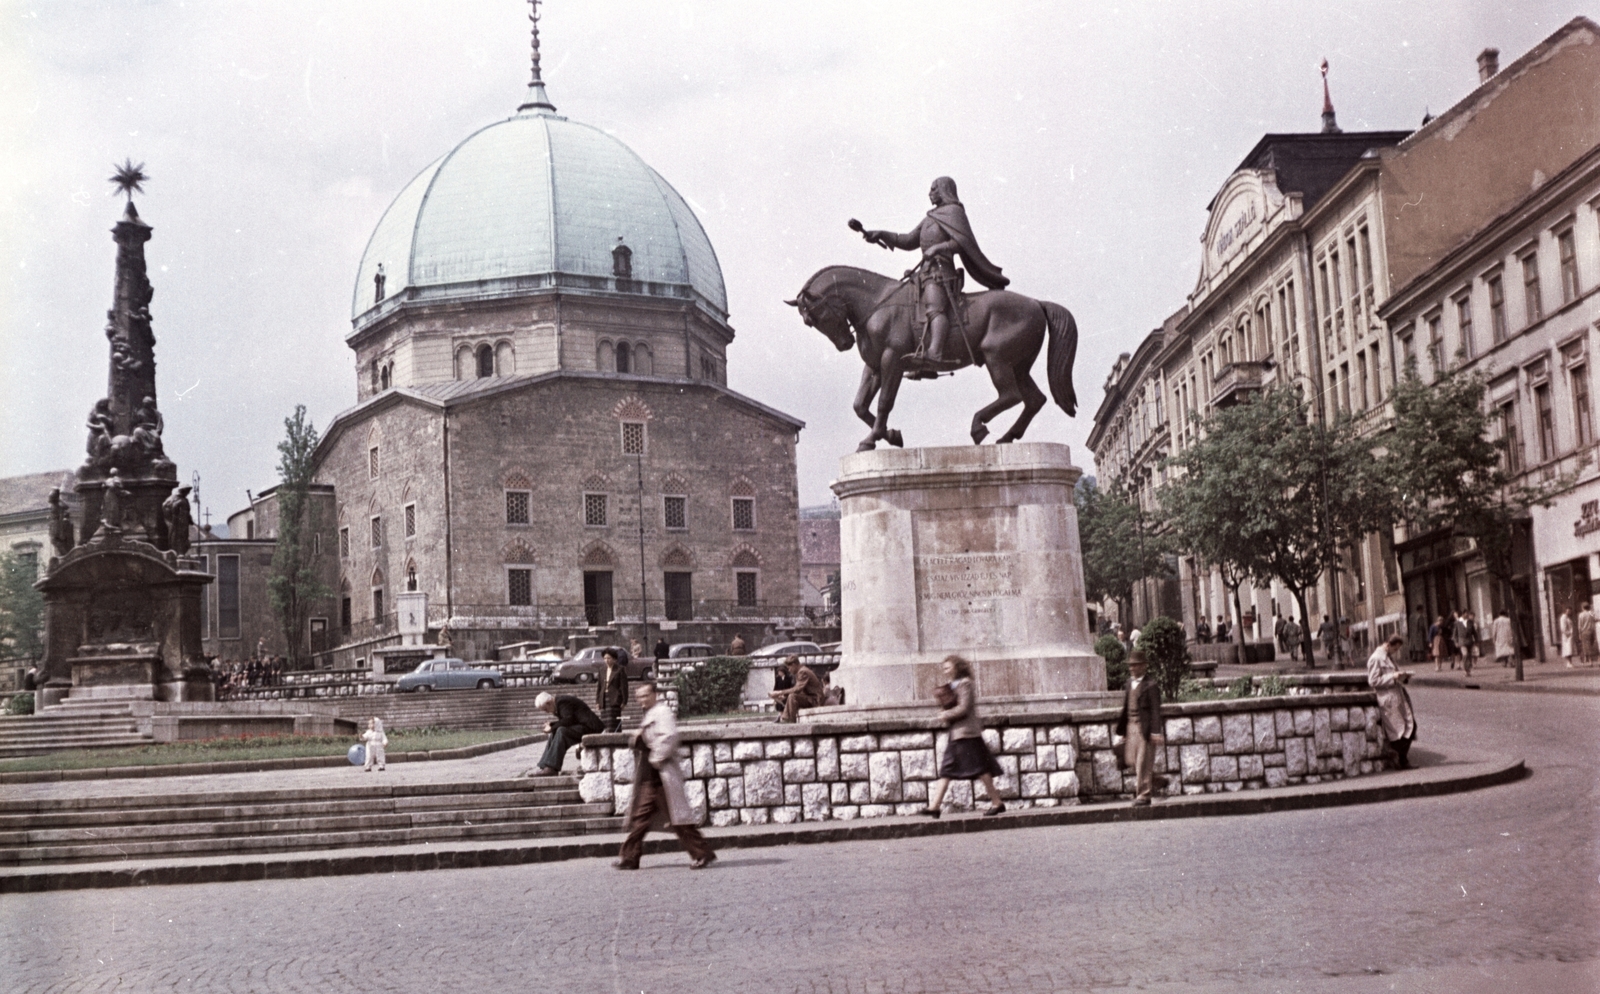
(971, 550)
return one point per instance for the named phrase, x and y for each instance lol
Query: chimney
(1488, 64)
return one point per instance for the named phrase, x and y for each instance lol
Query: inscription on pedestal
(960, 596)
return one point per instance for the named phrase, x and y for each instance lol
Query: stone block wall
(757, 773)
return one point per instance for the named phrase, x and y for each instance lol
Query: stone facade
(530, 474)
(757, 774)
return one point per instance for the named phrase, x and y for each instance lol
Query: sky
(1086, 140)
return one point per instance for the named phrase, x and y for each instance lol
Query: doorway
(598, 606)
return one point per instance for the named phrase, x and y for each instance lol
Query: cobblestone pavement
(1489, 890)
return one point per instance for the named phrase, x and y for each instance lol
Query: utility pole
(644, 614)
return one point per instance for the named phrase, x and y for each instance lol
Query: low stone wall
(755, 773)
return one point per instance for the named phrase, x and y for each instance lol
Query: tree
(1118, 546)
(1272, 495)
(294, 584)
(1447, 473)
(21, 608)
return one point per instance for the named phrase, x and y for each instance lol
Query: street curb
(259, 765)
(1506, 687)
(298, 865)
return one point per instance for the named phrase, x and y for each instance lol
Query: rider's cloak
(952, 218)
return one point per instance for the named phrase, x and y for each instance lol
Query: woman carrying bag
(965, 756)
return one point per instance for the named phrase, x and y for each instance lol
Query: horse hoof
(979, 434)
(894, 438)
(866, 446)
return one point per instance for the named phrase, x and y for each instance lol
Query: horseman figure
(942, 234)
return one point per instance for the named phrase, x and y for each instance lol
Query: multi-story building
(1304, 246)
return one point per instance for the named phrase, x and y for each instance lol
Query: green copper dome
(531, 203)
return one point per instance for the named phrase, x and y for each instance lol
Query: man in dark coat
(662, 650)
(611, 693)
(1140, 724)
(806, 692)
(943, 234)
(573, 720)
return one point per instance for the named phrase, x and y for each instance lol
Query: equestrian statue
(924, 324)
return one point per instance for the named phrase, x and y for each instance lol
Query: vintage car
(587, 665)
(449, 674)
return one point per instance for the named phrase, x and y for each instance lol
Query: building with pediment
(544, 441)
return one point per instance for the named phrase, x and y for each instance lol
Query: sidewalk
(1551, 677)
(1436, 774)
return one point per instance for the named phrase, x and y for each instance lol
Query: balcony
(1236, 381)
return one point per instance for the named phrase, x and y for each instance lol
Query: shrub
(20, 704)
(1272, 686)
(713, 687)
(1108, 648)
(1164, 644)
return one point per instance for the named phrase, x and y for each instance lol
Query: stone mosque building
(544, 440)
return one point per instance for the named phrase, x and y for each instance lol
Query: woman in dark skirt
(965, 757)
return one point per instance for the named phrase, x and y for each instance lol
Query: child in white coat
(375, 740)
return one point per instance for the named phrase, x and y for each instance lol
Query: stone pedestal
(970, 550)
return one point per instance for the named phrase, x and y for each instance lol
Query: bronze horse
(1002, 330)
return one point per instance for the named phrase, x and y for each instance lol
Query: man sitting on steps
(574, 720)
(806, 692)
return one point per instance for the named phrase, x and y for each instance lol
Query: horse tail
(1063, 349)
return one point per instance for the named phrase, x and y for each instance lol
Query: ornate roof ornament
(536, 99)
(129, 178)
(1330, 123)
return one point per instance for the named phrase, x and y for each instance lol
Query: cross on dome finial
(536, 99)
(1330, 123)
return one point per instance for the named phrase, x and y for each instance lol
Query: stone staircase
(244, 822)
(84, 724)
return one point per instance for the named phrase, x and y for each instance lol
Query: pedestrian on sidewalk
(1439, 644)
(1467, 640)
(375, 741)
(1504, 647)
(1141, 727)
(1394, 704)
(1586, 644)
(1327, 634)
(1569, 642)
(611, 691)
(658, 787)
(1291, 637)
(966, 757)
(1202, 631)
(1417, 635)
(1222, 631)
(573, 720)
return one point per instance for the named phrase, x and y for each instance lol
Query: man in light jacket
(658, 787)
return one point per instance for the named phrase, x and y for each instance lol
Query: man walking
(611, 693)
(1140, 725)
(658, 787)
(806, 693)
(1586, 634)
(1500, 631)
(573, 720)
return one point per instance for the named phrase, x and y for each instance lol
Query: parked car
(781, 649)
(690, 650)
(449, 674)
(587, 665)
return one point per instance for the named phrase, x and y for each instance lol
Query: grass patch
(250, 748)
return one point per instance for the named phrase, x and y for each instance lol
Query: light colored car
(690, 650)
(449, 674)
(780, 649)
(587, 665)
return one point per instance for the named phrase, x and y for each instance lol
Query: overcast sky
(1086, 139)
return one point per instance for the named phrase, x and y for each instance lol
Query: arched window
(505, 359)
(385, 377)
(623, 357)
(643, 362)
(464, 363)
(605, 358)
(485, 361)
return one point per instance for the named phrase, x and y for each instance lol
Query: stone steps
(86, 725)
(240, 822)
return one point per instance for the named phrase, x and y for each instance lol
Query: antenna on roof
(1330, 123)
(536, 99)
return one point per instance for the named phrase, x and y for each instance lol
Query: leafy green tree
(21, 608)
(1166, 648)
(294, 584)
(1109, 648)
(1447, 472)
(1118, 544)
(1269, 494)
